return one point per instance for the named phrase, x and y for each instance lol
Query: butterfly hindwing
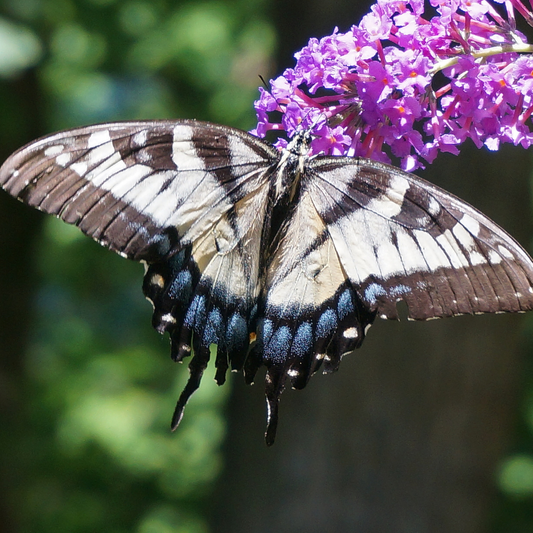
(212, 299)
(311, 315)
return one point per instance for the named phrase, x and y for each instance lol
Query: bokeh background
(428, 428)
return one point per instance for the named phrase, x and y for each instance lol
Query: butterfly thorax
(285, 191)
(291, 168)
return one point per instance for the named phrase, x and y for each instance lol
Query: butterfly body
(276, 257)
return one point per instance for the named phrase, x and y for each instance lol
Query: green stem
(519, 48)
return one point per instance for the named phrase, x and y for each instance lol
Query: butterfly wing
(399, 238)
(309, 311)
(363, 237)
(139, 188)
(186, 197)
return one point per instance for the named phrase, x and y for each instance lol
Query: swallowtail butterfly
(278, 258)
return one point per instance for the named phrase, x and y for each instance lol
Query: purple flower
(333, 141)
(401, 85)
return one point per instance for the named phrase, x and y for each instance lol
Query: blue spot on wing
(181, 286)
(326, 323)
(196, 315)
(236, 332)
(277, 349)
(399, 290)
(373, 291)
(213, 328)
(267, 330)
(303, 340)
(345, 305)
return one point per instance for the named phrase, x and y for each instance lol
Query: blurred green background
(88, 441)
(87, 387)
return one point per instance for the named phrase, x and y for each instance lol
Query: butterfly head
(300, 144)
(298, 150)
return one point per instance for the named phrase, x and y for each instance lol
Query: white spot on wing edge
(168, 319)
(99, 139)
(350, 333)
(476, 258)
(56, 149)
(463, 236)
(505, 252)
(157, 280)
(494, 257)
(63, 159)
(79, 168)
(139, 139)
(100, 149)
(433, 207)
(471, 224)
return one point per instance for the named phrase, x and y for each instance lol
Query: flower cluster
(406, 86)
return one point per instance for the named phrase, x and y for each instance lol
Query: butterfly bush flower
(404, 85)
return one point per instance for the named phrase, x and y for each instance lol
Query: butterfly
(279, 258)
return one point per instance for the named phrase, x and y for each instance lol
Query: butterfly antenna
(265, 84)
(267, 89)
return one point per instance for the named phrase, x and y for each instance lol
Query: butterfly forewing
(139, 188)
(401, 238)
